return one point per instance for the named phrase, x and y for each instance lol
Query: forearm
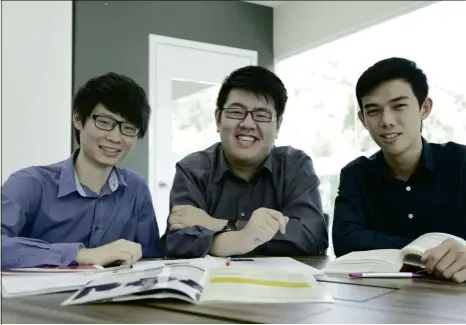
(353, 238)
(190, 242)
(18, 252)
(300, 239)
(229, 244)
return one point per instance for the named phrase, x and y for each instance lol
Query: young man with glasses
(244, 195)
(85, 210)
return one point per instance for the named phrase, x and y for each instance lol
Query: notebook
(201, 281)
(388, 260)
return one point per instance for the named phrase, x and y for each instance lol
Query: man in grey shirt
(244, 195)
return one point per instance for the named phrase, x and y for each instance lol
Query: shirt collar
(223, 165)
(382, 171)
(69, 181)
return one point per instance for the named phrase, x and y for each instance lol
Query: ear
(218, 117)
(426, 108)
(279, 125)
(77, 122)
(361, 118)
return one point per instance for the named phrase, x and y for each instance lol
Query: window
(321, 116)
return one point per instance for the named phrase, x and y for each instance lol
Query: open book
(200, 281)
(388, 260)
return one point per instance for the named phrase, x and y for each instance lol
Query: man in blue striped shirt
(85, 210)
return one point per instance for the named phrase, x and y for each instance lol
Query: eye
(397, 106)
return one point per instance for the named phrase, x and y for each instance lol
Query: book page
(379, 260)
(285, 264)
(256, 285)
(427, 241)
(182, 278)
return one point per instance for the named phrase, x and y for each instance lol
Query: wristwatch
(230, 226)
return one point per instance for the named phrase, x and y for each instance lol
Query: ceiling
(273, 4)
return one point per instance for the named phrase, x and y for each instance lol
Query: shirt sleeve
(306, 231)
(21, 199)
(350, 232)
(189, 242)
(147, 233)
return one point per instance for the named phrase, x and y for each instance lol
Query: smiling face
(101, 147)
(392, 115)
(246, 141)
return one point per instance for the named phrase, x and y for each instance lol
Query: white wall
(36, 80)
(301, 25)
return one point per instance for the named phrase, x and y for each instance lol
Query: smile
(390, 136)
(246, 139)
(109, 150)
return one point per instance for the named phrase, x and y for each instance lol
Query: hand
(447, 260)
(183, 216)
(263, 226)
(120, 250)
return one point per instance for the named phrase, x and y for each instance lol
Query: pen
(386, 275)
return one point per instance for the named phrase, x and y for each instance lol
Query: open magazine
(388, 260)
(199, 281)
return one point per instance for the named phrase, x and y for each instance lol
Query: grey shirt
(286, 182)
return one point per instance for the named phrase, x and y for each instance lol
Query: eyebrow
(245, 107)
(111, 116)
(393, 100)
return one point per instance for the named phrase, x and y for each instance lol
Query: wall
(113, 36)
(301, 25)
(36, 81)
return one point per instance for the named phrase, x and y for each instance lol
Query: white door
(184, 79)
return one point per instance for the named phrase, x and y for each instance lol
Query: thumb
(283, 225)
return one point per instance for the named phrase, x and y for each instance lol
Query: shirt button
(243, 214)
(408, 188)
(410, 216)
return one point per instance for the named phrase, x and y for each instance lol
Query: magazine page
(260, 285)
(181, 278)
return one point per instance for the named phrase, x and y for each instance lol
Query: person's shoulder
(285, 154)
(132, 178)
(450, 150)
(40, 173)
(201, 161)
(360, 165)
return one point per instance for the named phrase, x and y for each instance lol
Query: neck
(91, 174)
(244, 172)
(404, 165)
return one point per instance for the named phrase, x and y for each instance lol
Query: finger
(435, 256)
(460, 276)
(278, 217)
(176, 226)
(178, 208)
(175, 218)
(126, 257)
(453, 268)
(271, 224)
(445, 262)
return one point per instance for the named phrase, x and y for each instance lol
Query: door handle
(163, 184)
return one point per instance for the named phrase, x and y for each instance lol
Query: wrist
(83, 257)
(244, 242)
(217, 224)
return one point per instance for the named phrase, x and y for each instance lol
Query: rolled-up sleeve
(350, 232)
(21, 199)
(194, 241)
(306, 231)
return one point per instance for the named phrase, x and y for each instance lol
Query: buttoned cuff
(64, 254)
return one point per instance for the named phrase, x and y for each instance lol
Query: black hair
(392, 69)
(119, 94)
(257, 80)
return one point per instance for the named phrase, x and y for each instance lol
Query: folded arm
(21, 198)
(193, 241)
(350, 232)
(306, 231)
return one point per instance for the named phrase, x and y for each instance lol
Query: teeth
(390, 136)
(246, 138)
(110, 150)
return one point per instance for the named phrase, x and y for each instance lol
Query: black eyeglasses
(108, 124)
(260, 115)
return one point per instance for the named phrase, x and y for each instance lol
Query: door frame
(154, 42)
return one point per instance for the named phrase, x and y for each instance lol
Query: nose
(387, 119)
(248, 122)
(114, 135)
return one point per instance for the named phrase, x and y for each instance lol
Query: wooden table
(356, 301)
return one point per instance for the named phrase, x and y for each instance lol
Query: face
(392, 115)
(105, 148)
(247, 141)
